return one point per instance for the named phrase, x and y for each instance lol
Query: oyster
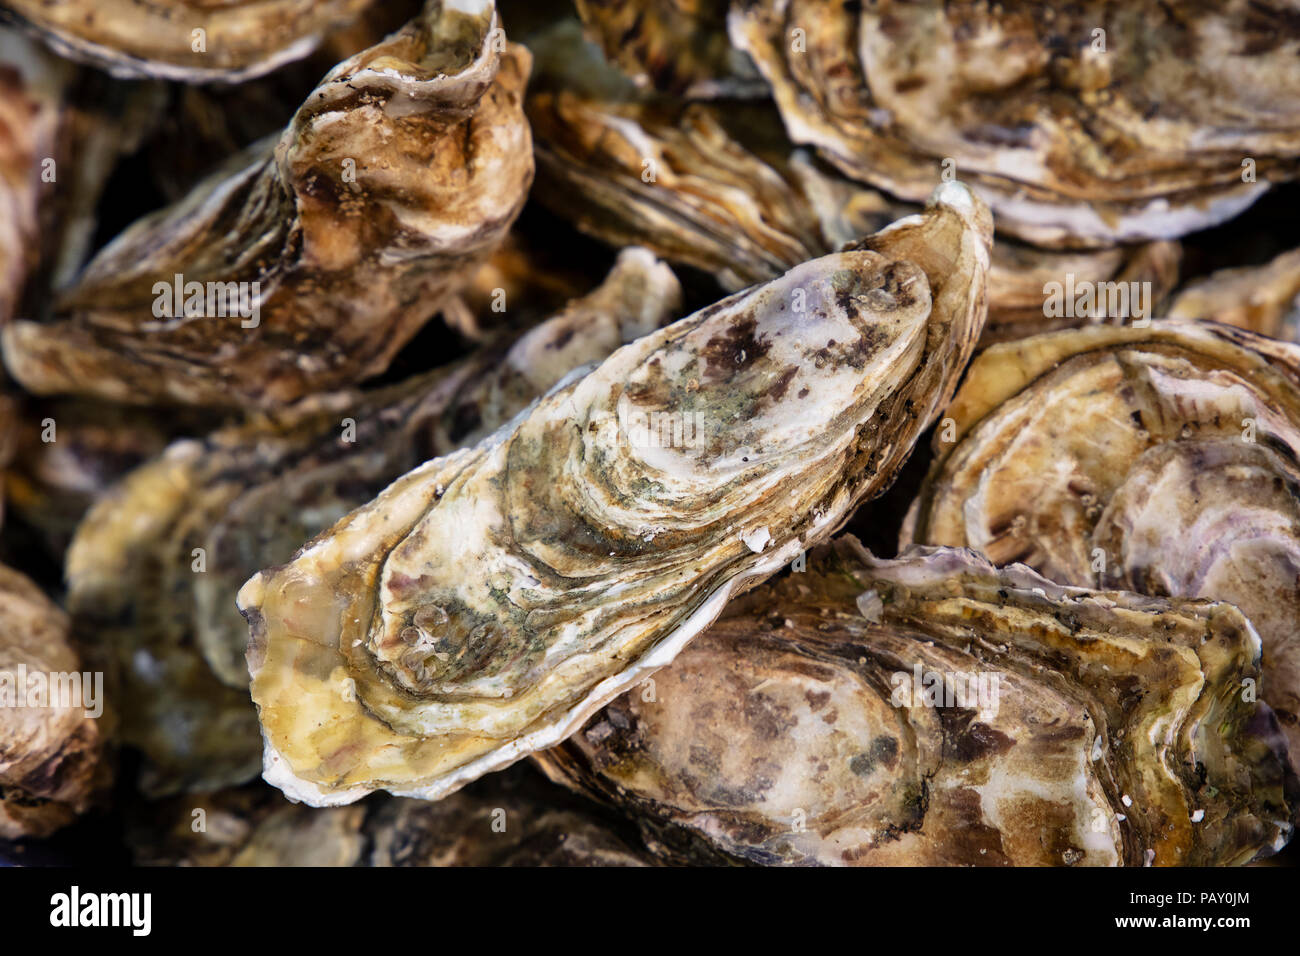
(206, 124)
(935, 710)
(1022, 279)
(304, 265)
(1083, 125)
(50, 740)
(61, 134)
(154, 568)
(190, 40)
(537, 827)
(488, 602)
(710, 201)
(1264, 299)
(513, 819)
(679, 46)
(726, 194)
(68, 452)
(1162, 460)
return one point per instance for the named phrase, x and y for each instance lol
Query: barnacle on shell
(1163, 460)
(394, 180)
(486, 603)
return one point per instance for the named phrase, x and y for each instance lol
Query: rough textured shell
(510, 819)
(1264, 299)
(1162, 460)
(346, 235)
(155, 567)
(50, 748)
(723, 191)
(679, 46)
(189, 40)
(488, 602)
(973, 716)
(1079, 125)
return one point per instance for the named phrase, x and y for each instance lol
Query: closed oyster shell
(1083, 125)
(206, 124)
(509, 819)
(193, 41)
(50, 748)
(154, 568)
(721, 190)
(1163, 460)
(673, 177)
(1023, 277)
(62, 130)
(679, 46)
(488, 602)
(513, 819)
(391, 184)
(1264, 299)
(68, 452)
(934, 710)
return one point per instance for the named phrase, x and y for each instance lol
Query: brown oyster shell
(1023, 277)
(1264, 299)
(347, 270)
(1163, 460)
(713, 203)
(511, 819)
(205, 124)
(678, 46)
(1051, 726)
(488, 602)
(249, 495)
(728, 195)
(50, 749)
(52, 483)
(1069, 144)
(132, 39)
(62, 130)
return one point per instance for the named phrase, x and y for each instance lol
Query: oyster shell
(193, 41)
(934, 710)
(206, 124)
(679, 46)
(711, 201)
(61, 134)
(391, 184)
(1264, 299)
(154, 568)
(1162, 460)
(68, 452)
(512, 819)
(1083, 125)
(729, 196)
(488, 602)
(1022, 276)
(51, 744)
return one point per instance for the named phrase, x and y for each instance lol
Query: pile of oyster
(640, 432)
